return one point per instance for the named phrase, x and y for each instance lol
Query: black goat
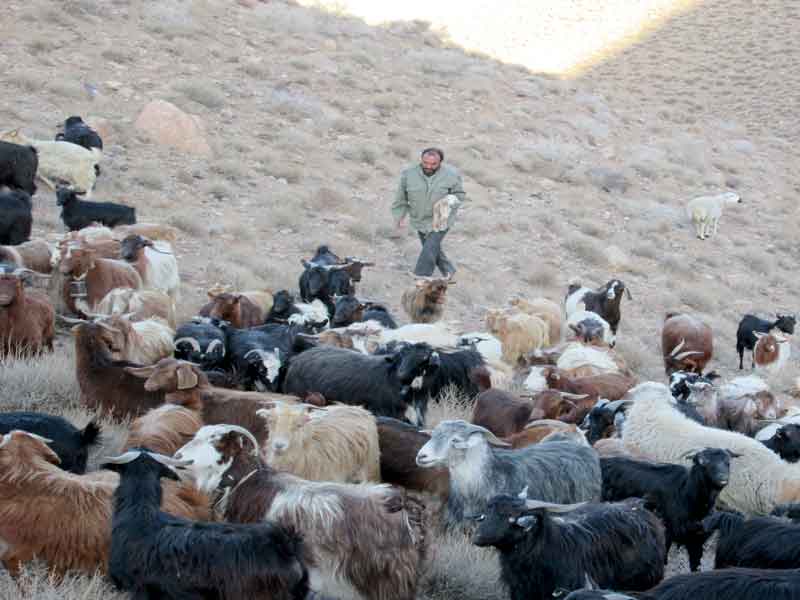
(455, 367)
(156, 555)
(786, 442)
(619, 545)
(67, 441)
(202, 342)
(260, 355)
(382, 384)
(791, 511)
(16, 217)
(18, 166)
(350, 309)
(604, 419)
(283, 307)
(323, 282)
(77, 214)
(681, 497)
(750, 324)
(729, 584)
(756, 543)
(78, 132)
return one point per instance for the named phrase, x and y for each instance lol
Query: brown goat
(554, 404)
(87, 279)
(399, 443)
(501, 412)
(368, 538)
(686, 344)
(186, 385)
(424, 303)
(105, 383)
(62, 518)
(104, 248)
(27, 319)
(34, 255)
(536, 431)
(164, 429)
(611, 386)
(238, 309)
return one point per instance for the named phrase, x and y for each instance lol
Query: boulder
(168, 125)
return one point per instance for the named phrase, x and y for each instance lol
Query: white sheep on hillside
(61, 162)
(705, 212)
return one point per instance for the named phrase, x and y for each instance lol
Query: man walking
(426, 192)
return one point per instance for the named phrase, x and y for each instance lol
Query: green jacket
(416, 194)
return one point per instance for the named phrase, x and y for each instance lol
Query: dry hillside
(312, 113)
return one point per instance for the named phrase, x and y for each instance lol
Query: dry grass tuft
(36, 584)
(203, 92)
(30, 383)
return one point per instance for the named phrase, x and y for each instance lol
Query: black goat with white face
(619, 545)
(682, 497)
(201, 341)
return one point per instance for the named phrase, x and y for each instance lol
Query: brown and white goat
(611, 386)
(686, 343)
(164, 429)
(34, 255)
(155, 262)
(105, 383)
(153, 231)
(186, 385)
(62, 518)
(424, 303)
(138, 305)
(365, 541)
(87, 279)
(771, 352)
(142, 342)
(335, 443)
(27, 319)
(239, 309)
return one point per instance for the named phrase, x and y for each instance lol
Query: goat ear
(140, 372)
(236, 298)
(187, 378)
(90, 434)
(527, 522)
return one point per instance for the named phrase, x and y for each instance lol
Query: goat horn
(569, 396)
(677, 348)
(246, 433)
(28, 433)
(690, 453)
(213, 345)
(124, 459)
(686, 354)
(550, 507)
(190, 340)
(546, 423)
(169, 461)
(617, 404)
(490, 437)
(524, 493)
(70, 320)
(257, 351)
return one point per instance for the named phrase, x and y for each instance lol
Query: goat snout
(279, 446)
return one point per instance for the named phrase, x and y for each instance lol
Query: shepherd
(430, 193)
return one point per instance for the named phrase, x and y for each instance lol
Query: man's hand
(400, 224)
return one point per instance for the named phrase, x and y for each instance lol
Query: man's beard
(429, 172)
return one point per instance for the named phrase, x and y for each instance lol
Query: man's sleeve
(400, 204)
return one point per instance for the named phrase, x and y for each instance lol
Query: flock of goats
(278, 447)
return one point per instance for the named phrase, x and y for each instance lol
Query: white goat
(61, 162)
(705, 212)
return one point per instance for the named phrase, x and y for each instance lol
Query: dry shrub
(189, 222)
(116, 55)
(203, 92)
(151, 180)
(699, 299)
(359, 152)
(36, 583)
(30, 383)
(450, 405)
(257, 70)
(232, 169)
(29, 82)
(326, 198)
(584, 247)
(539, 275)
(220, 190)
(284, 169)
(66, 89)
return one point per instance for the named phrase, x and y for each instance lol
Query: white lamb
(61, 162)
(705, 212)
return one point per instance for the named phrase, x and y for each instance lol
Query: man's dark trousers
(432, 255)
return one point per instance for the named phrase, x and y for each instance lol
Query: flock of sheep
(278, 445)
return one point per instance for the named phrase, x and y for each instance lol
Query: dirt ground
(576, 165)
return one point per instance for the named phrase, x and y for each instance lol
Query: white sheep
(759, 478)
(705, 212)
(580, 316)
(61, 162)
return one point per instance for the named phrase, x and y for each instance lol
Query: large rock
(168, 125)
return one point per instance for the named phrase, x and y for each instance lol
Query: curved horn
(257, 351)
(677, 348)
(617, 404)
(169, 461)
(683, 355)
(550, 507)
(490, 437)
(690, 453)
(5, 439)
(570, 396)
(246, 433)
(70, 320)
(123, 459)
(213, 345)
(190, 340)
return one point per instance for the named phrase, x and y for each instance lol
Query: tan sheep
(519, 333)
(544, 309)
(336, 443)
